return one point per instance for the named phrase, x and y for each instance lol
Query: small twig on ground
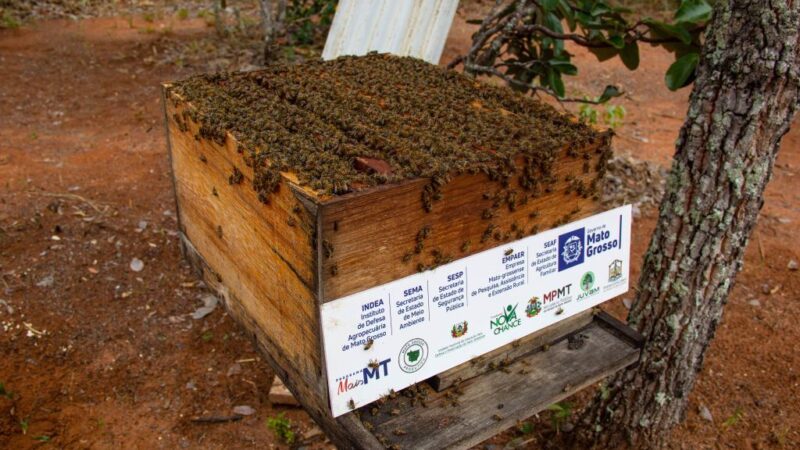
(217, 419)
(77, 197)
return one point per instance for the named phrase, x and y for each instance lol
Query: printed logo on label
(534, 307)
(459, 329)
(588, 285)
(505, 320)
(413, 355)
(615, 270)
(557, 294)
(570, 249)
(372, 371)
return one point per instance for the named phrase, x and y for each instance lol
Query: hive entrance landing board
(483, 406)
(392, 336)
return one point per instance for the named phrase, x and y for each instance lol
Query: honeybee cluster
(315, 119)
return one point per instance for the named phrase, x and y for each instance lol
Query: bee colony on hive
(380, 226)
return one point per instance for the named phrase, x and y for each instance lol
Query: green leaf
(630, 55)
(603, 53)
(609, 92)
(556, 83)
(552, 22)
(616, 41)
(569, 15)
(549, 5)
(681, 72)
(693, 11)
(661, 29)
(564, 67)
(600, 9)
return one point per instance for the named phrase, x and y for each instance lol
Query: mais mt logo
(361, 377)
(505, 320)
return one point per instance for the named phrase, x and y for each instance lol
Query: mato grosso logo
(588, 288)
(505, 320)
(570, 247)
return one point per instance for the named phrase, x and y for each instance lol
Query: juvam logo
(506, 320)
(368, 373)
(587, 285)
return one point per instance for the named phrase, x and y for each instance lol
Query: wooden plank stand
(299, 185)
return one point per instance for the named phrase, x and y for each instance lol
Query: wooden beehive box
(300, 185)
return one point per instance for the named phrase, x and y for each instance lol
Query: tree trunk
(743, 102)
(271, 23)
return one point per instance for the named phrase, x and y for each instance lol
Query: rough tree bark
(271, 24)
(743, 102)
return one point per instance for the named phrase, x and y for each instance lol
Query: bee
(236, 177)
(334, 270)
(509, 251)
(369, 344)
(214, 191)
(219, 231)
(497, 417)
(351, 404)
(291, 222)
(399, 432)
(373, 364)
(374, 411)
(203, 158)
(559, 311)
(394, 412)
(465, 246)
(327, 248)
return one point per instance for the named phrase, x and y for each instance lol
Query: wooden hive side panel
(264, 254)
(366, 236)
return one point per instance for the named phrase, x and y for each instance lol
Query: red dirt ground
(96, 355)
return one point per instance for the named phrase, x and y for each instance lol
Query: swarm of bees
(421, 120)
(423, 126)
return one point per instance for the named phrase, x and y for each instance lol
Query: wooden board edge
(346, 432)
(529, 344)
(619, 328)
(170, 158)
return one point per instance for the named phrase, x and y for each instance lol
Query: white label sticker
(429, 322)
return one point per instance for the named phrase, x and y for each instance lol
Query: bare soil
(97, 355)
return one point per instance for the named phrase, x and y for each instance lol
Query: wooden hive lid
(352, 124)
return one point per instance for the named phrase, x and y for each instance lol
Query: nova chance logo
(570, 247)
